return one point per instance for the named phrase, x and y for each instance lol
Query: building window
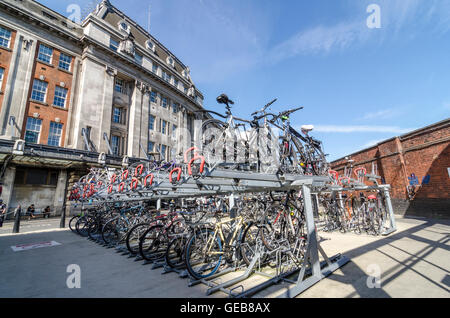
(174, 131)
(54, 136)
(114, 45)
(64, 62)
(2, 72)
(163, 127)
(151, 122)
(167, 77)
(60, 97)
(149, 44)
(164, 102)
(138, 58)
(115, 145)
(155, 68)
(33, 130)
(39, 91)
(5, 37)
(45, 54)
(119, 86)
(33, 176)
(153, 97)
(117, 115)
(124, 27)
(175, 82)
(151, 146)
(163, 152)
(175, 107)
(170, 61)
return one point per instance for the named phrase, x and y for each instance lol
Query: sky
(358, 85)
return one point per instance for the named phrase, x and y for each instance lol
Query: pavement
(36, 225)
(412, 262)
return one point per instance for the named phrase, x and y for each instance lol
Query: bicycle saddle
(307, 128)
(223, 99)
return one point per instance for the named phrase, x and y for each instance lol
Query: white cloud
(362, 129)
(320, 39)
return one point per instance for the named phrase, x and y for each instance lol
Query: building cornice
(126, 61)
(108, 28)
(31, 17)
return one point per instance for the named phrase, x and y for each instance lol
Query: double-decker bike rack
(137, 184)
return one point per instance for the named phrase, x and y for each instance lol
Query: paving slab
(412, 262)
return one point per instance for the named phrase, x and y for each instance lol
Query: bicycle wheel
(249, 243)
(356, 207)
(213, 139)
(93, 229)
(151, 241)
(203, 254)
(133, 237)
(73, 222)
(81, 226)
(110, 235)
(174, 255)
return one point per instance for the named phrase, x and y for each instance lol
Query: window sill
(5, 48)
(65, 71)
(45, 63)
(59, 107)
(38, 102)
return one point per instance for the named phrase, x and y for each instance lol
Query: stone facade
(105, 85)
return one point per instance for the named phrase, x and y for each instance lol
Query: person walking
(2, 212)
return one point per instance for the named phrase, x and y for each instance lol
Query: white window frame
(37, 81)
(150, 45)
(3, 37)
(119, 82)
(66, 91)
(2, 75)
(51, 134)
(114, 146)
(35, 131)
(44, 53)
(112, 44)
(64, 62)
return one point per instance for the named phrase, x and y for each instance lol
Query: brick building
(420, 157)
(74, 91)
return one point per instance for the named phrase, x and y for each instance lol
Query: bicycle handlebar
(265, 107)
(288, 112)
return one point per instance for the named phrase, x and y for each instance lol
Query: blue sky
(358, 85)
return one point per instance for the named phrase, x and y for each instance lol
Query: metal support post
(388, 202)
(312, 254)
(17, 215)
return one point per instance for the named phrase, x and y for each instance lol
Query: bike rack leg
(236, 280)
(393, 227)
(312, 255)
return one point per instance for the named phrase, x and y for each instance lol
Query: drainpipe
(62, 224)
(402, 160)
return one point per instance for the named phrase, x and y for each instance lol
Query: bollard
(17, 215)
(62, 224)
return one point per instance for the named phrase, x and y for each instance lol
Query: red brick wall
(47, 112)
(5, 60)
(426, 152)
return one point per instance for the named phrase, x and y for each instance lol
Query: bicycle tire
(198, 242)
